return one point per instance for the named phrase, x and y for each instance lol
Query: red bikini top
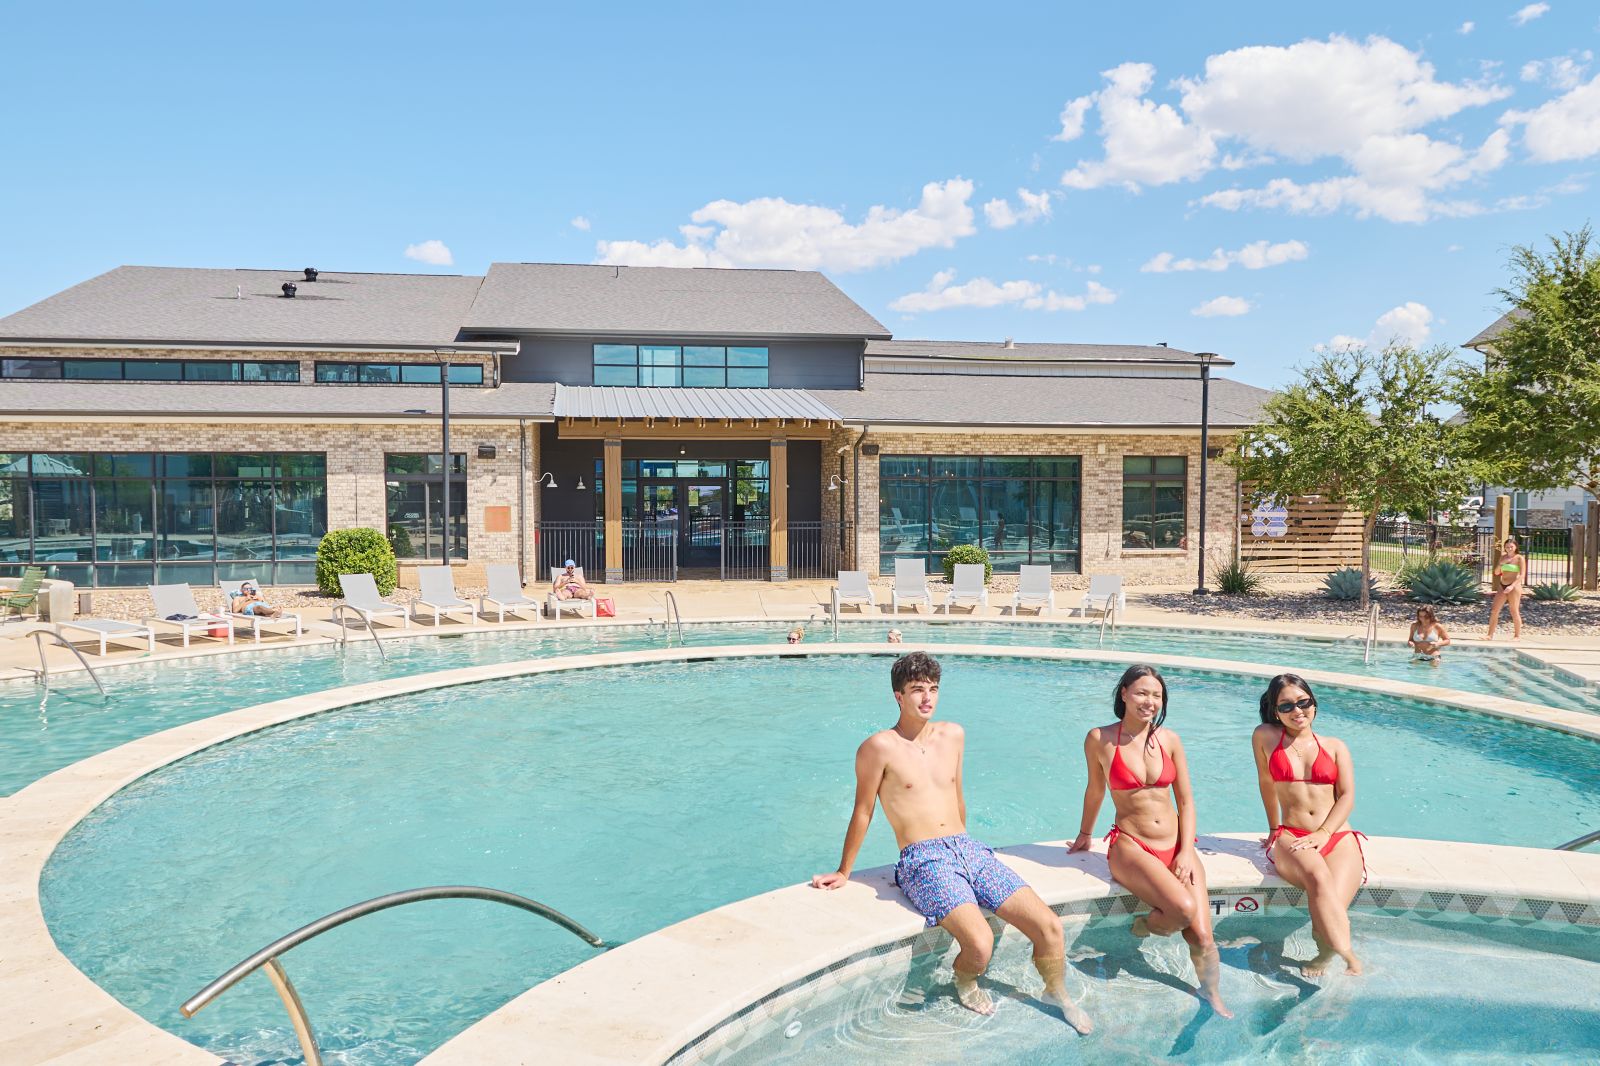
(1324, 771)
(1121, 779)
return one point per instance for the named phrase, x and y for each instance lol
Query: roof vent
(289, 289)
(311, 273)
(1161, 344)
(1009, 343)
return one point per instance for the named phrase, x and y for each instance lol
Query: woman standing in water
(1308, 789)
(1152, 842)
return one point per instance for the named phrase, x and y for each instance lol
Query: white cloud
(772, 232)
(1410, 323)
(431, 252)
(1223, 306)
(581, 223)
(1035, 205)
(1145, 143)
(1559, 72)
(1072, 115)
(1527, 14)
(1467, 27)
(1254, 256)
(942, 294)
(1567, 127)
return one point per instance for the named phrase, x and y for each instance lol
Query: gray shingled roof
(180, 305)
(612, 401)
(665, 302)
(1490, 333)
(963, 399)
(1026, 352)
(130, 400)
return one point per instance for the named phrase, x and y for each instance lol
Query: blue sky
(1364, 169)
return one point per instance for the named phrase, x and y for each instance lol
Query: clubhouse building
(166, 424)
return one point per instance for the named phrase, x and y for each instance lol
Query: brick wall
(1101, 517)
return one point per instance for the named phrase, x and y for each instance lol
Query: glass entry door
(701, 539)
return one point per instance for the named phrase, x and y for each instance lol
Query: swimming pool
(41, 732)
(1448, 988)
(637, 796)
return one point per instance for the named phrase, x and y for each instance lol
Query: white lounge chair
(110, 629)
(1103, 588)
(910, 584)
(175, 606)
(555, 604)
(967, 587)
(854, 588)
(505, 592)
(230, 589)
(361, 596)
(1033, 587)
(439, 595)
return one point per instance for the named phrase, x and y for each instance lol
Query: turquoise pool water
(641, 796)
(1440, 990)
(40, 733)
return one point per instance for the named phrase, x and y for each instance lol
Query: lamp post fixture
(1205, 448)
(444, 387)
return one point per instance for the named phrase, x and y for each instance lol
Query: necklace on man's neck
(920, 744)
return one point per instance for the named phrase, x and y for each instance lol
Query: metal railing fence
(1548, 552)
(661, 548)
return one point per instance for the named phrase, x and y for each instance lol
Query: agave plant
(1554, 591)
(1407, 573)
(1345, 584)
(1445, 582)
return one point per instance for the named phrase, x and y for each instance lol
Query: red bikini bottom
(1325, 850)
(1164, 856)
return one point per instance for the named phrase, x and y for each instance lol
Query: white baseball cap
(569, 562)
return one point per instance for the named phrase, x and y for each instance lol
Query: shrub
(1237, 579)
(1445, 582)
(400, 541)
(1556, 592)
(1345, 584)
(355, 551)
(1408, 573)
(966, 553)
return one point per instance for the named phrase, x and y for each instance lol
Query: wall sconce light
(550, 484)
(581, 485)
(834, 481)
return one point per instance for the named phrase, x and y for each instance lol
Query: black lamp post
(1205, 448)
(444, 387)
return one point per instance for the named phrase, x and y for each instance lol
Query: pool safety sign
(1223, 905)
(1269, 519)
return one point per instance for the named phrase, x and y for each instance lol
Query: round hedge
(355, 551)
(966, 553)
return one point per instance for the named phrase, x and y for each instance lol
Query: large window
(1154, 491)
(254, 370)
(397, 373)
(118, 519)
(414, 487)
(1020, 509)
(692, 366)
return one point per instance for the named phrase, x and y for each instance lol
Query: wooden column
(778, 487)
(1591, 549)
(612, 472)
(1502, 521)
(1577, 556)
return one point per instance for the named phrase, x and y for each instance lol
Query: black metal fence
(1395, 544)
(816, 549)
(667, 548)
(582, 542)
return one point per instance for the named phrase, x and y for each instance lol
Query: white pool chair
(967, 587)
(1103, 588)
(854, 588)
(1033, 588)
(438, 594)
(361, 596)
(505, 592)
(910, 584)
(175, 606)
(109, 629)
(230, 589)
(555, 604)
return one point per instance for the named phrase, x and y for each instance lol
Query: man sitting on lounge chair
(248, 601)
(569, 584)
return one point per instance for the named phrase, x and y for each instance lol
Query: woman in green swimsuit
(1508, 574)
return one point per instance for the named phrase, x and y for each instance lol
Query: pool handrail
(1580, 842)
(339, 610)
(44, 664)
(673, 614)
(1108, 615)
(1371, 637)
(268, 956)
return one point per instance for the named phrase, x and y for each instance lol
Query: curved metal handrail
(44, 664)
(268, 956)
(1371, 635)
(833, 604)
(1109, 615)
(339, 610)
(1580, 842)
(674, 616)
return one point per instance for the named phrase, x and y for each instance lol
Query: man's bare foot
(1073, 1013)
(1319, 965)
(1215, 999)
(1352, 965)
(971, 996)
(1141, 926)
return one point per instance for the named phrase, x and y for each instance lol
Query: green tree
(1532, 412)
(1362, 429)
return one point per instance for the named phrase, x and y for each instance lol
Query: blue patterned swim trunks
(941, 874)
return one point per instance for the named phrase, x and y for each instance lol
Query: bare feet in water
(971, 996)
(1071, 1011)
(1319, 965)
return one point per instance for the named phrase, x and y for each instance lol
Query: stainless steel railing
(1371, 637)
(1581, 842)
(674, 616)
(1109, 615)
(833, 610)
(44, 663)
(267, 957)
(339, 612)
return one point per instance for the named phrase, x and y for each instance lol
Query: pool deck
(58, 1015)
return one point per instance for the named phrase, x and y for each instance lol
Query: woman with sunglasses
(1151, 844)
(1308, 789)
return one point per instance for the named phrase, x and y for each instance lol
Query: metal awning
(617, 401)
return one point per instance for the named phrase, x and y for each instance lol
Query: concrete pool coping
(57, 1014)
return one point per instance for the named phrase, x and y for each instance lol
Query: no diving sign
(1221, 905)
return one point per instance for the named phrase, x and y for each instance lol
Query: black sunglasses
(1305, 703)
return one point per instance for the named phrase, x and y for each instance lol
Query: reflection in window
(696, 366)
(1153, 502)
(414, 492)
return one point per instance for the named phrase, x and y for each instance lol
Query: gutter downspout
(522, 498)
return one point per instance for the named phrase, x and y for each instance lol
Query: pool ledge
(56, 1014)
(713, 981)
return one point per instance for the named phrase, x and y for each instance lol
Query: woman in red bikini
(1151, 849)
(1308, 789)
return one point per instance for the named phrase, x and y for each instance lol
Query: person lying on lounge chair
(570, 585)
(248, 601)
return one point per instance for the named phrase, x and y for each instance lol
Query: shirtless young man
(914, 769)
(570, 585)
